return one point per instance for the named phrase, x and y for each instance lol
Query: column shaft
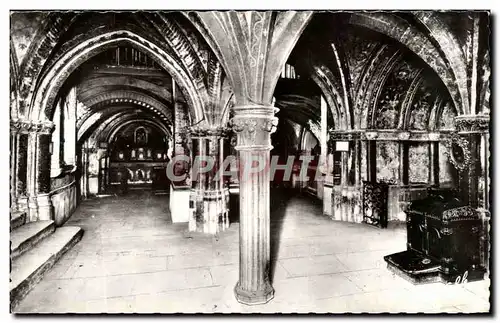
(403, 163)
(254, 232)
(38, 170)
(253, 126)
(13, 168)
(208, 192)
(434, 163)
(470, 129)
(357, 162)
(371, 160)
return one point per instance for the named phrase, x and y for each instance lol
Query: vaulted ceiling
(375, 69)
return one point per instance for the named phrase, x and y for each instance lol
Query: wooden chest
(443, 241)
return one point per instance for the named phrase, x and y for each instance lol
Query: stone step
(28, 269)
(28, 235)
(17, 219)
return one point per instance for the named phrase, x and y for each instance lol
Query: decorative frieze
(203, 131)
(460, 213)
(31, 126)
(389, 135)
(345, 135)
(472, 123)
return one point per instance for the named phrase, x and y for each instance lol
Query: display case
(443, 241)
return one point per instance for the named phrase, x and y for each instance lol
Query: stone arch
(114, 127)
(303, 137)
(214, 86)
(14, 82)
(437, 112)
(333, 98)
(406, 107)
(128, 98)
(228, 105)
(449, 46)
(49, 86)
(107, 112)
(419, 43)
(48, 34)
(253, 71)
(110, 122)
(102, 83)
(378, 80)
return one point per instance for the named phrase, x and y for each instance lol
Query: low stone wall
(64, 197)
(344, 203)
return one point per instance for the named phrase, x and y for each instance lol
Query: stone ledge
(29, 268)
(28, 235)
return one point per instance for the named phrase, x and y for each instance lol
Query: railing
(129, 57)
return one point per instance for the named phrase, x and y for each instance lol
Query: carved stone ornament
(434, 136)
(253, 125)
(458, 152)
(371, 135)
(344, 135)
(405, 135)
(204, 131)
(27, 126)
(472, 123)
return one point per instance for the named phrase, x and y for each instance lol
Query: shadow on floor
(280, 198)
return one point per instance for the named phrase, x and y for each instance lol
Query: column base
(179, 204)
(32, 208)
(254, 297)
(328, 196)
(211, 212)
(22, 204)
(45, 209)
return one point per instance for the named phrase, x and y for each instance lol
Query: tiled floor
(133, 259)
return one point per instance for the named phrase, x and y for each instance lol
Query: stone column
(208, 192)
(14, 151)
(180, 190)
(470, 130)
(357, 162)
(234, 184)
(344, 158)
(38, 171)
(69, 125)
(371, 157)
(22, 166)
(486, 163)
(57, 142)
(328, 180)
(403, 163)
(434, 160)
(253, 125)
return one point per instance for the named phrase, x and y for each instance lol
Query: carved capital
(472, 123)
(201, 131)
(253, 125)
(28, 126)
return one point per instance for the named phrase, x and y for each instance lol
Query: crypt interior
(393, 109)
